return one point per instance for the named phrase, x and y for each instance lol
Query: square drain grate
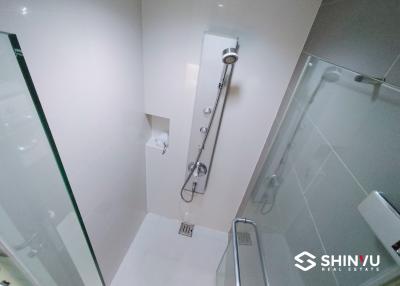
(244, 238)
(186, 229)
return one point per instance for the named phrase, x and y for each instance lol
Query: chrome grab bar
(236, 249)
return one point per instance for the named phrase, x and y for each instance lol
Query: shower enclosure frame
(39, 109)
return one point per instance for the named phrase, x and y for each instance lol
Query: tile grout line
(339, 158)
(396, 59)
(312, 218)
(309, 211)
(317, 172)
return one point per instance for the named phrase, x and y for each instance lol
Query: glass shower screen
(41, 231)
(338, 142)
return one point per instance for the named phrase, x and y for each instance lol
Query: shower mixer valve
(199, 169)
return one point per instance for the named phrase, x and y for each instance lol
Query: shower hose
(210, 122)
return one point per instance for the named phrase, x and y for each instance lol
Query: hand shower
(330, 75)
(229, 57)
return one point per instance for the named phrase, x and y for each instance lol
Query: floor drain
(244, 238)
(186, 229)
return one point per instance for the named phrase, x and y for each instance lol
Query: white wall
(85, 60)
(272, 34)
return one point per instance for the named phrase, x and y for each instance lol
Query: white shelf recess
(159, 132)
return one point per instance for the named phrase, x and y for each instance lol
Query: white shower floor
(160, 257)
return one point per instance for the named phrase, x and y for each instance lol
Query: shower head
(332, 74)
(229, 56)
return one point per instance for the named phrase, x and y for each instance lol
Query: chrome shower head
(229, 56)
(332, 74)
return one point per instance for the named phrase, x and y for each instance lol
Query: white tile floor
(160, 257)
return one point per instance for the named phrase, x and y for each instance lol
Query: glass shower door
(338, 142)
(41, 231)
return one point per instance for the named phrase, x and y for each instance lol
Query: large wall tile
(333, 200)
(310, 151)
(361, 124)
(303, 227)
(362, 35)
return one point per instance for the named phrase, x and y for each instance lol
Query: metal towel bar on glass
(236, 249)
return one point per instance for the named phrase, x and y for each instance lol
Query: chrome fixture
(230, 56)
(197, 168)
(375, 82)
(207, 110)
(236, 249)
(26, 243)
(330, 75)
(368, 80)
(162, 141)
(269, 197)
(164, 150)
(33, 244)
(203, 130)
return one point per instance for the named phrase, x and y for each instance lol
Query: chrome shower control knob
(198, 169)
(203, 130)
(207, 110)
